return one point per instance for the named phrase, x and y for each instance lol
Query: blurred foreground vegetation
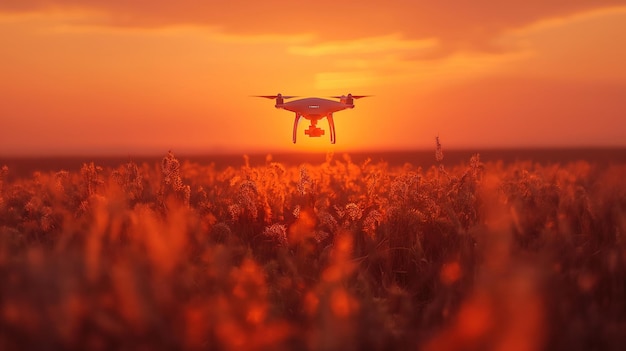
(335, 256)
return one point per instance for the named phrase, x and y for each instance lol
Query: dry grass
(336, 256)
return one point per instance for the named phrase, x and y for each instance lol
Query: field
(334, 255)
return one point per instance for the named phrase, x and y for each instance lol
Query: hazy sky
(146, 76)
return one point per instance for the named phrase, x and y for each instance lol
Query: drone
(314, 109)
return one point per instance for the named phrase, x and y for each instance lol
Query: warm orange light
(102, 79)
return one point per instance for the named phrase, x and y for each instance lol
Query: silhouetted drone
(314, 109)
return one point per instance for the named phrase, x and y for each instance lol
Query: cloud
(581, 47)
(386, 44)
(466, 25)
(552, 22)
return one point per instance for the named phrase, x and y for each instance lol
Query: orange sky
(136, 77)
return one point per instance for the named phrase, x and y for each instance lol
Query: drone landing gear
(331, 126)
(295, 128)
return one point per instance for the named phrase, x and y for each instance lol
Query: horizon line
(196, 153)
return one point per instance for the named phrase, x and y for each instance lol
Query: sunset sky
(137, 77)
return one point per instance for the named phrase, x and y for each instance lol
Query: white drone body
(314, 109)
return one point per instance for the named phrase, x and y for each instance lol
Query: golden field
(339, 255)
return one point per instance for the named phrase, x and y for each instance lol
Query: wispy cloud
(377, 44)
(425, 75)
(560, 21)
(472, 25)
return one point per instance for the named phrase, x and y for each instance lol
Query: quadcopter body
(314, 109)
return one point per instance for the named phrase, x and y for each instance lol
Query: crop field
(338, 255)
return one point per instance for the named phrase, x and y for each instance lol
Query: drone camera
(314, 132)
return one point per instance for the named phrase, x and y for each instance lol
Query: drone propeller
(353, 96)
(275, 96)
